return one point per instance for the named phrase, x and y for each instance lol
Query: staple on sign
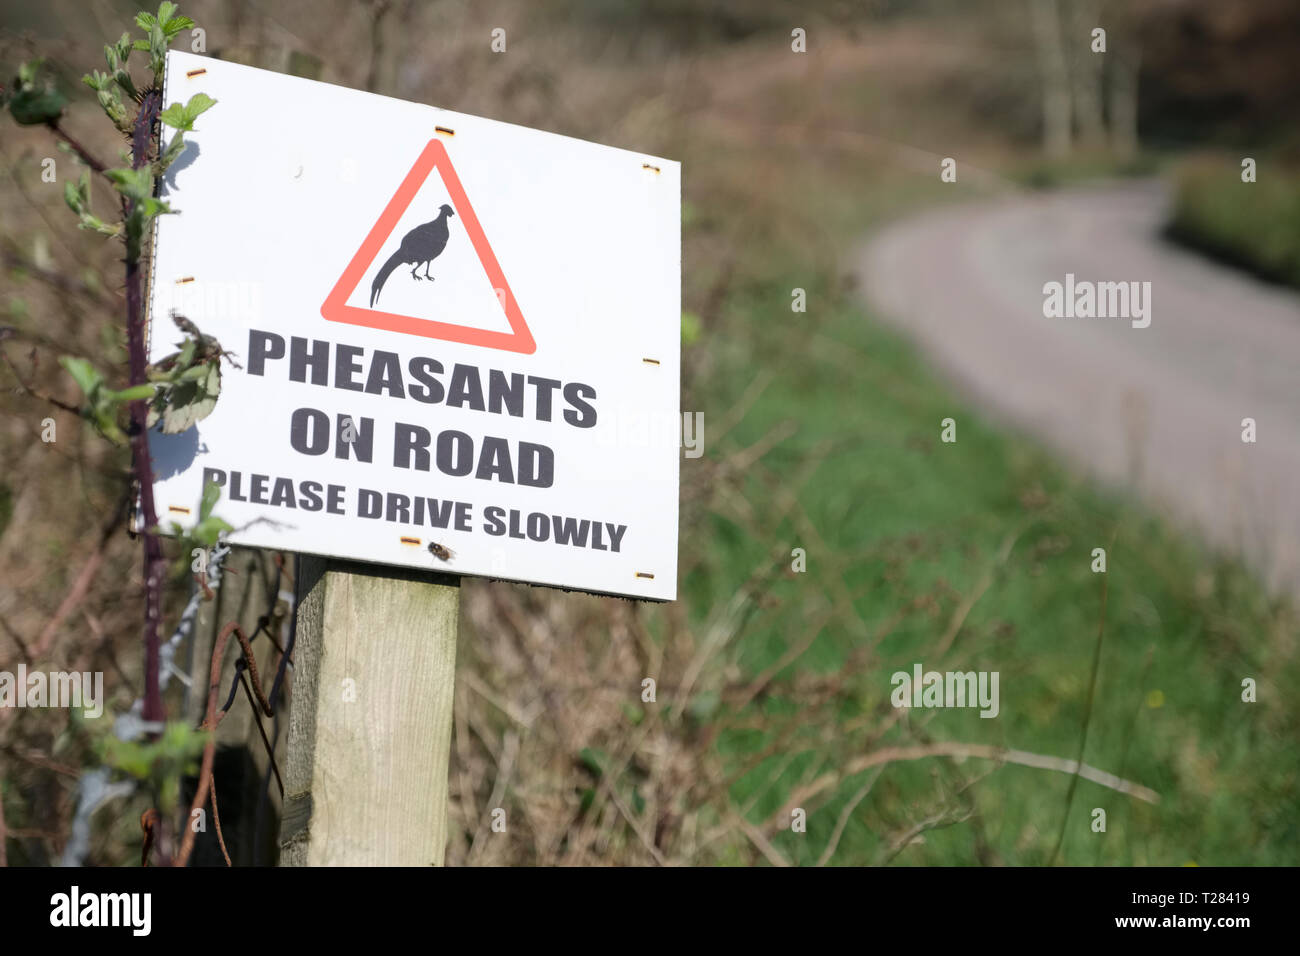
(443, 129)
(645, 574)
(650, 361)
(185, 280)
(193, 73)
(648, 166)
(414, 541)
(178, 509)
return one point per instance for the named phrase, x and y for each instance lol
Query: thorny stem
(154, 567)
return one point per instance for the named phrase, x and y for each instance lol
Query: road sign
(381, 239)
(459, 339)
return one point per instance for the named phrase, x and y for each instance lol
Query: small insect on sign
(453, 343)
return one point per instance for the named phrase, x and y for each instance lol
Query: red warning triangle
(336, 308)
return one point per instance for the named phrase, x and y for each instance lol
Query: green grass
(902, 516)
(1037, 172)
(1255, 226)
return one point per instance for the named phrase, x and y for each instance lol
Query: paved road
(1158, 409)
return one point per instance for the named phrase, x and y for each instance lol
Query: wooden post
(370, 719)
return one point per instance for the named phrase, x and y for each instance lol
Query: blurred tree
(1086, 71)
(1046, 18)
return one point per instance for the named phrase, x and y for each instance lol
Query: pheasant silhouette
(419, 247)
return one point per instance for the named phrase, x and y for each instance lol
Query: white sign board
(459, 339)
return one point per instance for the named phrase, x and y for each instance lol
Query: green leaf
(135, 184)
(33, 107)
(183, 117)
(197, 373)
(173, 116)
(105, 420)
(171, 153)
(123, 78)
(171, 26)
(178, 408)
(704, 705)
(211, 495)
(157, 52)
(86, 375)
(33, 98)
(199, 104)
(123, 48)
(594, 760)
(690, 328)
(95, 224)
(101, 404)
(187, 354)
(133, 394)
(173, 754)
(154, 207)
(208, 532)
(111, 103)
(72, 196)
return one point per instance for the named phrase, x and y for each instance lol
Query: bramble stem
(154, 565)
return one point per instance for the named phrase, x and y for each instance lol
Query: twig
(944, 818)
(963, 611)
(978, 751)
(791, 655)
(744, 458)
(759, 840)
(845, 815)
(250, 661)
(17, 639)
(149, 824)
(86, 156)
(725, 626)
(210, 721)
(14, 260)
(509, 751)
(216, 822)
(77, 593)
(31, 390)
(736, 414)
